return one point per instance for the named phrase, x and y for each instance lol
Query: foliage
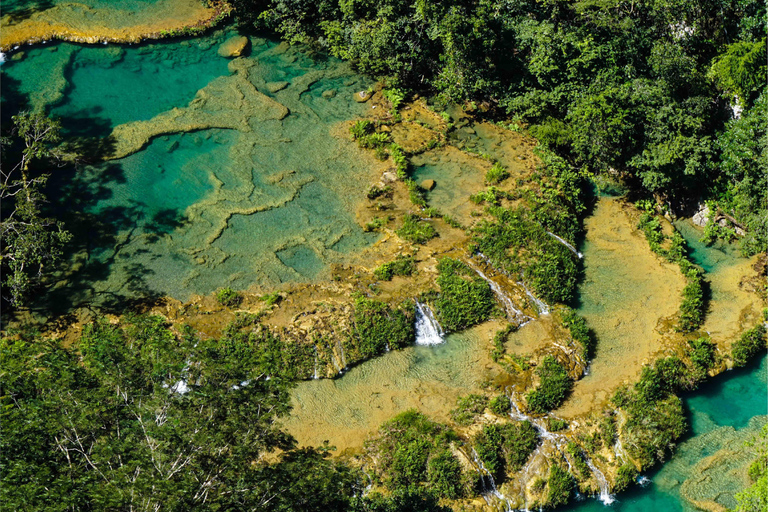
(500, 405)
(403, 265)
(553, 388)
(467, 407)
(505, 446)
(580, 332)
(228, 297)
(378, 326)
(559, 486)
(625, 477)
(498, 342)
(395, 97)
(416, 231)
(465, 299)
(755, 497)
(411, 453)
(361, 128)
(556, 424)
(134, 414)
(496, 174)
(30, 243)
(751, 343)
(740, 69)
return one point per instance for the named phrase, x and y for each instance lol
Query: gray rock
(701, 217)
(362, 96)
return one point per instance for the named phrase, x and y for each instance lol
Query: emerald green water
(710, 257)
(723, 413)
(268, 202)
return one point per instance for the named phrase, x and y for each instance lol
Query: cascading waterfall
(487, 478)
(540, 304)
(428, 330)
(341, 353)
(558, 441)
(315, 375)
(513, 314)
(565, 243)
(605, 489)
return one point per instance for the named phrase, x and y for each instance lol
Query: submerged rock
(330, 93)
(273, 87)
(233, 47)
(428, 184)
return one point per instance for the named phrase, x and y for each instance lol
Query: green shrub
(416, 231)
(402, 164)
(464, 300)
(271, 299)
(416, 194)
(377, 326)
(556, 424)
(403, 265)
(375, 191)
(375, 224)
(507, 445)
(582, 334)
(444, 475)
(500, 405)
(498, 342)
(751, 343)
(361, 128)
(373, 140)
(625, 477)
(560, 485)
(702, 353)
(395, 97)
(578, 460)
(467, 407)
(553, 389)
(228, 297)
(496, 174)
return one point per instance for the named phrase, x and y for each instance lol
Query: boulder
(701, 217)
(428, 184)
(233, 47)
(362, 96)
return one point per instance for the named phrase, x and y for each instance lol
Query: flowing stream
(428, 330)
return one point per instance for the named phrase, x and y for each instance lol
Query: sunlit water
(268, 202)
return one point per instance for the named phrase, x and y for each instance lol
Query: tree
(30, 241)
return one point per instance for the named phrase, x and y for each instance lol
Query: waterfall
(487, 478)
(428, 331)
(643, 481)
(513, 314)
(341, 353)
(315, 375)
(540, 304)
(605, 488)
(569, 246)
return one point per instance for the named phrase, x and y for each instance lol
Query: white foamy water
(565, 243)
(428, 331)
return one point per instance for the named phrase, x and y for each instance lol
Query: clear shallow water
(268, 202)
(720, 413)
(430, 378)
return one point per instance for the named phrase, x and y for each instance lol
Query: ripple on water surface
(271, 200)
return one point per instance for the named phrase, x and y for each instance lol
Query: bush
(444, 475)
(506, 445)
(464, 300)
(556, 424)
(378, 326)
(228, 297)
(373, 140)
(582, 334)
(496, 174)
(271, 299)
(560, 484)
(416, 231)
(625, 477)
(361, 128)
(402, 266)
(553, 389)
(751, 343)
(500, 405)
(702, 353)
(467, 407)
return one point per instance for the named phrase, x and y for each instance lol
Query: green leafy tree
(31, 242)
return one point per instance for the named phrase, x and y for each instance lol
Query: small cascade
(341, 353)
(618, 448)
(489, 484)
(605, 489)
(643, 481)
(315, 375)
(513, 314)
(565, 243)
(540, 304)
(428, 331)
